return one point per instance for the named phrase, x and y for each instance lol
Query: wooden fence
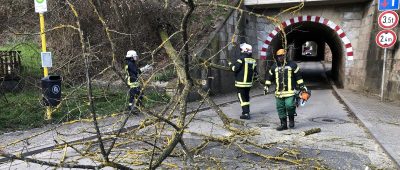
(10, 65)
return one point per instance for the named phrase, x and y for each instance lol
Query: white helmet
(132, 54)
(246, 48)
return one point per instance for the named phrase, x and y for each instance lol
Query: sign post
(386, 38)
(383, 72)
(41, 7)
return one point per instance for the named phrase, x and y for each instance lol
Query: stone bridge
(342, 31)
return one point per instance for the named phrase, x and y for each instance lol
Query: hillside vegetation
(109, 29)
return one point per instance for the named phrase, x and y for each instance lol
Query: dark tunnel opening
(330, 49)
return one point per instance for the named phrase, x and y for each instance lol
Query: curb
(359, 117)
(364, 124)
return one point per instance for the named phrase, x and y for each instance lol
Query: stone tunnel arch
(313, 28)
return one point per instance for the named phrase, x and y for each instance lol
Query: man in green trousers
(286, 76)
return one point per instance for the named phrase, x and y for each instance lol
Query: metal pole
(45, 69)
(383, 72)
(43, 37)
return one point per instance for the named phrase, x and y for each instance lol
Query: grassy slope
(30, 57)
(23, 110)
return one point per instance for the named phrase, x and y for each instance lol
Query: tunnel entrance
(313, 38)
(300, 34)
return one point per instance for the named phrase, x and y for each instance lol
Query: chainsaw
(301, 97)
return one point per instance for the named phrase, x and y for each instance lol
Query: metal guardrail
(10, 65)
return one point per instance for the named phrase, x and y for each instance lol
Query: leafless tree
(88, 38)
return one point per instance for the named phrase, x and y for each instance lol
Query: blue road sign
(384, 5)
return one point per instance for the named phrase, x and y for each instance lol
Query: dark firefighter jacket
(287, 78)
(245, 70)
(132, 74)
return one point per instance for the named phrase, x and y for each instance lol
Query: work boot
(129, 108)
(133, 109)
(291, 121)
(283, 124)
(245, 116)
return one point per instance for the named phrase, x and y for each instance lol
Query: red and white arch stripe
(316, 19)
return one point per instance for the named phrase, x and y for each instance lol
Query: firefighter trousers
(134, 94)
(244, 98)
(285, 106)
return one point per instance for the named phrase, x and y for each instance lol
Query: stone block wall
(222, 50)
(352, 18)
(358, 21)
(374, 58)
(393, 71)
(354, 21)
(328, 54)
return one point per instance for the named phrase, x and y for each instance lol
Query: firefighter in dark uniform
(132, 78)
(245, 70)
(286, 76)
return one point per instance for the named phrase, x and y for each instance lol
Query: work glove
(303, 88)
(145, 68)
(229, 63)
(266, 90)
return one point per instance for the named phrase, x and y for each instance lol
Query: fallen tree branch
(52, 164)
(311, 131)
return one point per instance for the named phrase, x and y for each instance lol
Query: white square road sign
(46, 59)
(40, 6)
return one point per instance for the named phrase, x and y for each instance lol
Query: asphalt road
(342, 143)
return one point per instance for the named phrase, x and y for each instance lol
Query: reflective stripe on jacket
(132, 74)
(287, 78)
(244, 69)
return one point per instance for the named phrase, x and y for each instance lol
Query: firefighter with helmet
(244, 70)
(132, 78)
(286, 76)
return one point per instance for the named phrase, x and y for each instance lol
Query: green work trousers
(285, 106)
